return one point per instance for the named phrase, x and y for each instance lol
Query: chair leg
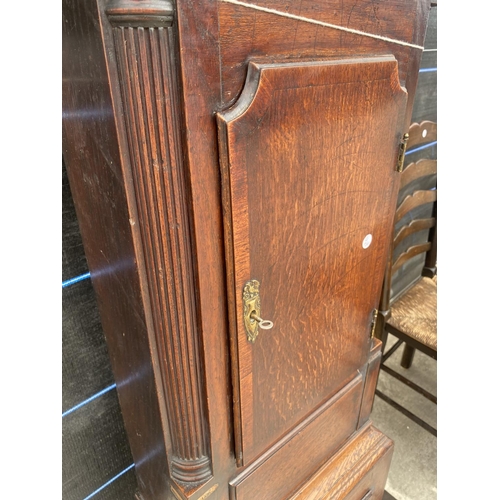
(380, 331)
(407, 357)
(383, 334)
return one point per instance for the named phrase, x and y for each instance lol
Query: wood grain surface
(308, 158)
(143, 83)
(278, 472)
(103, 203)
(149, 85)
(371, 379)
(357, 472)
(246, 33)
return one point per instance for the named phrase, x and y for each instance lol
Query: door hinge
(374, 323)
(402, 151)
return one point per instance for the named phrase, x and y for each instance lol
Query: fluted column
(145, 55)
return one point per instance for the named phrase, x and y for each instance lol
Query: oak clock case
(235, 185)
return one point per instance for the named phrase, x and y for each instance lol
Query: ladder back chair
(408, 305)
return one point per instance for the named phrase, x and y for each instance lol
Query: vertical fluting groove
(162, 306)
(155, 201)
(163, 257)
(185, 269)
(151, 103)
(197, 397)
(175, 262)
(160, 303)
(160, 168)
(184, 243)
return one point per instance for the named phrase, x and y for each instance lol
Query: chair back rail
(421, 133)
(417, 170)
(409, 254)
(411, 202)
(418, 188)
(413, 227)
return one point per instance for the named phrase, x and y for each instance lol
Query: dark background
(96, 459)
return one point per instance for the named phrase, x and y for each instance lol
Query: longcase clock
(234, 166)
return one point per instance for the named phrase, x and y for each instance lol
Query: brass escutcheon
(251, 311)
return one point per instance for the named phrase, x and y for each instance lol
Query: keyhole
(252, 317)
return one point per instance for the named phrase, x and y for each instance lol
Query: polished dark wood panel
(277, 473)
(99, 188)
(371, 378)
(309, 172)
(155, 80)
(149, 87)
(247, 33)
(357, 472)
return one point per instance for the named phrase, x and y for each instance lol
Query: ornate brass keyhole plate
(251, 306)
(251, 311)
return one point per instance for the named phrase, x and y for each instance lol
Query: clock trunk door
(308, 156)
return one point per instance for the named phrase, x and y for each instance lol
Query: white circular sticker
(367, 241)
(424, 132)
